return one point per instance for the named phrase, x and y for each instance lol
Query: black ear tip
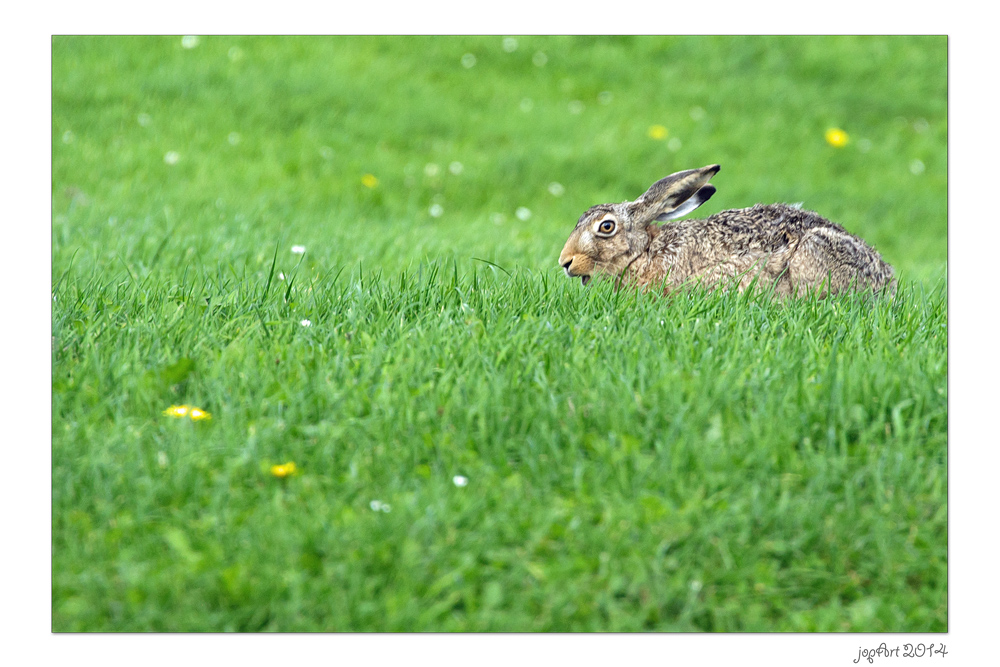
(714, 168)
(705, 192)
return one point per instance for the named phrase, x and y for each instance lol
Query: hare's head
(609, 237)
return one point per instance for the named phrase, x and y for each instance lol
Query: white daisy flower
(379, 506)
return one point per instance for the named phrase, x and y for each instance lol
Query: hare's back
(766, 225)
(812, 248)
(762, 228)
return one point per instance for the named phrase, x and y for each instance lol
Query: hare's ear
(676, 195)
(697, 199)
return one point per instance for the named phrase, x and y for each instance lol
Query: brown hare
(793, 250)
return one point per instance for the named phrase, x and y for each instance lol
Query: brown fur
(793, 250)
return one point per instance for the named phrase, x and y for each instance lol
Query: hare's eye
(606, 227)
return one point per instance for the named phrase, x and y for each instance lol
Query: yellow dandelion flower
(198, 414)
(283, 470)
(181, 411)
(369, 181)
(657, 132)
(836, 137)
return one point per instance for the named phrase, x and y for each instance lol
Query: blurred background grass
(273, 136)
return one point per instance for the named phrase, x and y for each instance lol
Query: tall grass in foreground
(709, 461)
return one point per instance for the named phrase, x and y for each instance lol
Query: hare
(794, 250)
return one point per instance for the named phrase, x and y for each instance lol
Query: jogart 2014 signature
(904, 651)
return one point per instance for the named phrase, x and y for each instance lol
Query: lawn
(344, 250)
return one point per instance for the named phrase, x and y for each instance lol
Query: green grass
(705, 462)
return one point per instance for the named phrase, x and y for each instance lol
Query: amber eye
(606, 227)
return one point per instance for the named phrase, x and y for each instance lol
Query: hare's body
(793, 250)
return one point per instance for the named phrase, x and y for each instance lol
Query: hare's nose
(566, 264)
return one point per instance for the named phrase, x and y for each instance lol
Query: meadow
(343, 250)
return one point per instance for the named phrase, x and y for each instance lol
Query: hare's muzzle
(571, 267)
